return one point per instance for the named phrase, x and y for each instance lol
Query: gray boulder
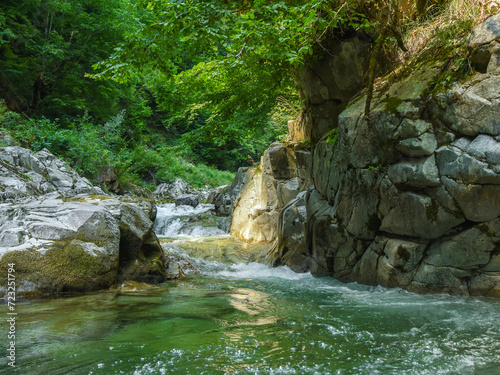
(25, 176)
(170, 191)
(78, 244)
(187, 200)
(65, 235)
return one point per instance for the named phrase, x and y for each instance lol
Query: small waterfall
(172, 221)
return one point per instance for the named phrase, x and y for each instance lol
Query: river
(238, 316)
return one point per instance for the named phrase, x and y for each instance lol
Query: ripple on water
(239, 317)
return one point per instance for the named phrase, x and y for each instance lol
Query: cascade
(172, 221)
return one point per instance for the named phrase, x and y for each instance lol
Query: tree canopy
(196, 81)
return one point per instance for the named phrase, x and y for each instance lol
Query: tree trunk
(38, 91)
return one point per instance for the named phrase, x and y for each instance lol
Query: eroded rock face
(411, 199)
(25, 176)
(292, 247)
(225, 199)
(264, 190)
(329, 84)
(485, 57)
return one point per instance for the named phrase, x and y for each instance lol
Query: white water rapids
(172, 221)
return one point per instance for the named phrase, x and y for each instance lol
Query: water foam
(255, 270)
(173, 221)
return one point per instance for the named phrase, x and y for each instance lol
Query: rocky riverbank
(409, 197)
(65, 235)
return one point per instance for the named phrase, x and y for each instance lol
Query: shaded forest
(166, 89)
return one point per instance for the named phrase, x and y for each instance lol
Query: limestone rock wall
(412, 198)
(24, 175)
(263, 190)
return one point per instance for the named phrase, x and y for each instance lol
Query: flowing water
(236, 316)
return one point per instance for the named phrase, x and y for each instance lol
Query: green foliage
(88, 146)
(391, 104)
(168, 88)
(332, 137)
(47, 46)
(207, 114)
(218, 68)
(374, 168)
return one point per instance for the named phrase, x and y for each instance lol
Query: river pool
(237, 316)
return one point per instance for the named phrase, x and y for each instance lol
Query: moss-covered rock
(77, 245)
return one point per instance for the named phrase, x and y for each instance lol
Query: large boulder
(187, 200)
(169, 191)
(264, 190)
(255, 214)
(410, 197)
(75, 244)
(65, 235)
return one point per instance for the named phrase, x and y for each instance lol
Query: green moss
(73, 263)
(432, 210)
(64, 267)
(352, 102)
(14, 169)
(304, 144)
(331, 137)
(404, 254)
(90, 198)
(485, 229)
(391, 105)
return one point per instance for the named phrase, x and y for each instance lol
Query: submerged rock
(132, 286)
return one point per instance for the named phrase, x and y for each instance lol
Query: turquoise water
(240, 317)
